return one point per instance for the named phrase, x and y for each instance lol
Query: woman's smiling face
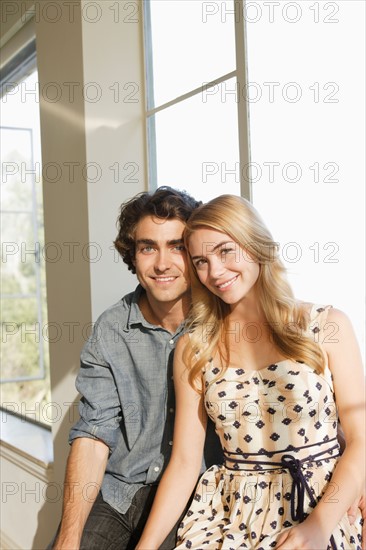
(222, 265)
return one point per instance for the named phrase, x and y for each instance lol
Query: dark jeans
(107, 529)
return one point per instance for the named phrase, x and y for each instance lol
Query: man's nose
(163, 261)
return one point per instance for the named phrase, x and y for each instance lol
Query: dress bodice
(287, 404)
(283, 406)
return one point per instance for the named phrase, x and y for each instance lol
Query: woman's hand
(302, 537)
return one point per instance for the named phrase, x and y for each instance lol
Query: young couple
(254, 360)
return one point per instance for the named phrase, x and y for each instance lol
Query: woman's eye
(225, 251)
(200, 263)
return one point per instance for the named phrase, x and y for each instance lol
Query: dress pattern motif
(278, 430)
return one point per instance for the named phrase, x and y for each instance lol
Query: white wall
(115, 135)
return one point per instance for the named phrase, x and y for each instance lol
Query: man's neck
(168, 315)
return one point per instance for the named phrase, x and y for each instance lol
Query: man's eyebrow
(152, 242)
(175, 241)
(211, 250)
(145, 241)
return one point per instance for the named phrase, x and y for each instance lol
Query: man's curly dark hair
(165, 203)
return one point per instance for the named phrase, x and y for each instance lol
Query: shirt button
(171, 342)
(170, 443)
(156, 469)
(171, 410)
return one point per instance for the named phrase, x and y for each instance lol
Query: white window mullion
(243, 110)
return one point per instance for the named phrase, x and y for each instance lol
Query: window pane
(16, 150)
(197, 146)
(21, 336)
(307, 124)
(18, 273)
(192, 42)
(25, 361)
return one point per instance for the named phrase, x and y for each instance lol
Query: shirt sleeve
(99, 407)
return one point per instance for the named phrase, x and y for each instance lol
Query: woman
(266, 368)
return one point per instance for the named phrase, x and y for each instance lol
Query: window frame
(241, 75)
(16, 69)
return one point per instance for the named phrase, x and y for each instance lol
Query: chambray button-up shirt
(127, 399)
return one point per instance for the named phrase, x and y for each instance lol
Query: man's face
(160, 259)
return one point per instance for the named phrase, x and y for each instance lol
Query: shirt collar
(135, 316)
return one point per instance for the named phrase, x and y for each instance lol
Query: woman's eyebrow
(213, 250)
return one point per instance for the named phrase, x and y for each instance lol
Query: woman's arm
(349, 475)
(180, 477)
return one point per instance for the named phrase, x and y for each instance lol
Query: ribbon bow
(299, 486)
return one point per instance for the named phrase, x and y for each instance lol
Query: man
(123, 439)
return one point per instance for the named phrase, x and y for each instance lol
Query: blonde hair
(207, 322)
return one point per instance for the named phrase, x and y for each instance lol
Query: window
(307, 127)
(25, 361)
(279, 73)
(188, 55)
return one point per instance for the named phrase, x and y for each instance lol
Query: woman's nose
(216, 268)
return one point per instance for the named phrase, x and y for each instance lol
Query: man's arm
(360, 503)
(84, 475)
(352, 513)
(93, 438)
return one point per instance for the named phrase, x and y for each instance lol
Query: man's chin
(162, 294)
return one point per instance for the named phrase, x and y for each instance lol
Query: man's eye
(146, 249)
(180, 247)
